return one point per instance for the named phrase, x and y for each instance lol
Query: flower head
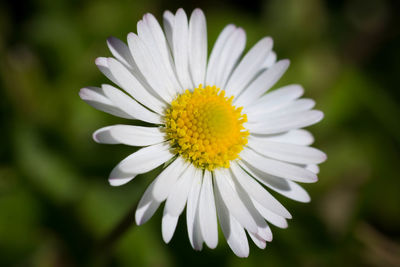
(217, 132)
(205, 128)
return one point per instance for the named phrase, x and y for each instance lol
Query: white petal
(169, 20)
(271, 217)
(103, 136)
(287, 152)
(129, 135)
(238, 239)
(284, 187)
(213, 61)
(181, 49)
(160, 40)
(226, 188)
(168, 226)
(176, 200)
(233, 231)
(129, 105)
(102, 64)
(197, 236)
(207, 212)
(296, 137)
(167, 178)
(257, 192)
(263, 230)
(120, 51)
(277, 168)
(285, 122)
(274, 100)
(192, 212)
(271, 59)
(150, 31)
(197, 46)
(258, 240)
(132, 86)
(298, 105)
(293, 107)
(313, 167)
(229, 57)
(262, 83)
(148, 62)
(120, 178)
(154, 28)
(143, 160)
(147, 206)
(95, 97)
(248, 67)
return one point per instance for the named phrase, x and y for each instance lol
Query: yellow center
(205, 128)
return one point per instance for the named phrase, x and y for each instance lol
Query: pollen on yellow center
(205, 128)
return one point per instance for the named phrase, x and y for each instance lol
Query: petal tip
(285, 62)
(131, 34)
(113, 181)
(82, 93)
(198, 11)
(100, 61)
(322, 115)
(243, 254)
(110, 39)
(307, 199)
(167, 13)
(324, 157)
(138, 219)
(314, 179)
(288, 216)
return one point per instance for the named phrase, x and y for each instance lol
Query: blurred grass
(55, 201)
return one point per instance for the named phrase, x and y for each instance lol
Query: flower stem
(106, 244)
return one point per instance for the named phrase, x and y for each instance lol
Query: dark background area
(55, 202)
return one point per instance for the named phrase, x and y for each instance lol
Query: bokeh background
(55, 202)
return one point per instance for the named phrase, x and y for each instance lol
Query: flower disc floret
(205, 128)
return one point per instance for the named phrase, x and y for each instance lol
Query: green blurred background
(55, 201)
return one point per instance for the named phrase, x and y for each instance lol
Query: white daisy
(218, 136)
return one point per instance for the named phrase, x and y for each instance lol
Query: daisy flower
(220, 136)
